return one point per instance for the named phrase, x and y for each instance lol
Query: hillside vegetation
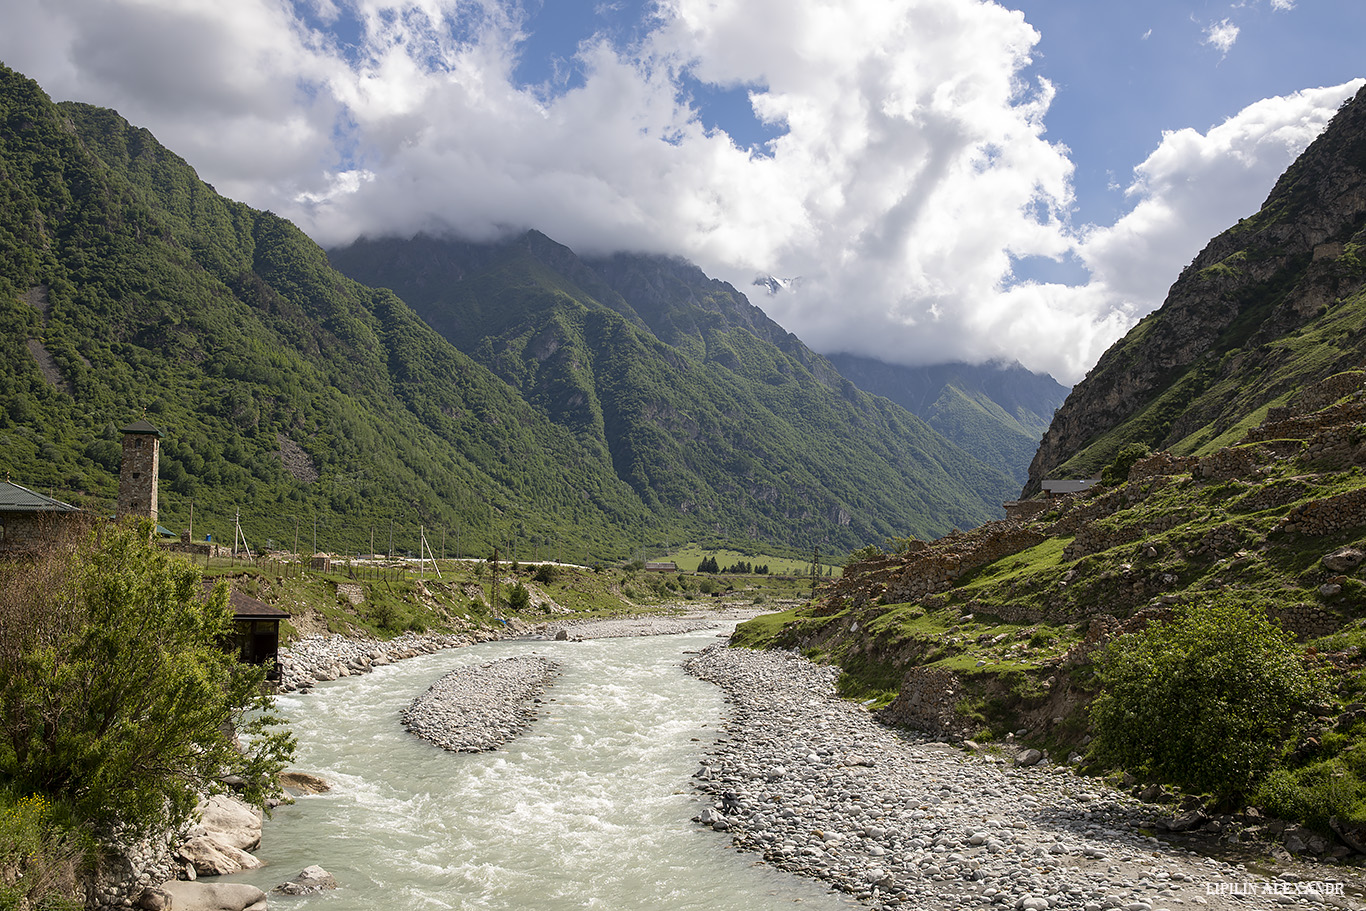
(704, 406)
(284, 389)
(598, 407)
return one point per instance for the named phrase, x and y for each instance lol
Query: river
(590, 808)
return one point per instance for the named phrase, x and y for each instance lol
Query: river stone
(304, 783)
(199, 896)
(1028, 757)
(311, 880)
(229, 821)
(154, 900)
(210, 857)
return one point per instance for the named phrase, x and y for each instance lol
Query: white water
(590, 808)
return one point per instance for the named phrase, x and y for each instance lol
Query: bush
(546, 574)
(519, 599)
(863, 553)
(1117, 472)
(116, 699)
(1208, 701)
(1314, 795)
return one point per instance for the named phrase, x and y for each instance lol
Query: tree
(1210, 700)
(116, 695)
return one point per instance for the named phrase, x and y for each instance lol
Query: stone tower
(138, 476)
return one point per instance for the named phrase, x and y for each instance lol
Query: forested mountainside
(997, 412)
(129, 288)
(1274, 303)
(703, 405)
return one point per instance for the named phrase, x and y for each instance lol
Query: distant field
(689, 555)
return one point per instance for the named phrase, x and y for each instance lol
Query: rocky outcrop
(1204, 360)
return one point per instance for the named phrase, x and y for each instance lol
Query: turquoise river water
(590, 808)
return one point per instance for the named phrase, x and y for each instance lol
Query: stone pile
(818, 788)
(475, 709)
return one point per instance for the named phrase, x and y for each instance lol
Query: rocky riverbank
(819, 788)
(627, 626)
(475, 709)
(318, 658)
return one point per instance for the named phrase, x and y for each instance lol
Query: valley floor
(819, 788)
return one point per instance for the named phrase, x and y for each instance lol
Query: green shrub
(1315, 794)
(1117, 472)
(546, 574)
(519, 599)
(1208, 701)
(116, 699)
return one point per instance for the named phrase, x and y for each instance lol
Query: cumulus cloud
(1221, 36)
(909, 176)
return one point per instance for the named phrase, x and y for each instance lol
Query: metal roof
(14, 498)
(142, 426)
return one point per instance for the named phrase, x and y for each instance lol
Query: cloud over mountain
(910, 182)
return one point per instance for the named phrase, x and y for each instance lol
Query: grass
(688, 556)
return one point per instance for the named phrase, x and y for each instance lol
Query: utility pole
(493, 579)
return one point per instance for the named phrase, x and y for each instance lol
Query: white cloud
(910, 171)
(1221, 35)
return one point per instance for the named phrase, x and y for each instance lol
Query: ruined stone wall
(1162, 464)
(927, 702)
(1327, 516)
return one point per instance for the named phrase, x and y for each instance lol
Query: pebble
(901, 822)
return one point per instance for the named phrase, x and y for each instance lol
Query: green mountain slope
(284, 388)
(996, 412)
(1273, 304)
(705, 407)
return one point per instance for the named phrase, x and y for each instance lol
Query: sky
(928, 180)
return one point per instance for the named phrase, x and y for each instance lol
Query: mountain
(704, 405)
(998, 412)
(1273, 304)
(607, 404)
(128, 287)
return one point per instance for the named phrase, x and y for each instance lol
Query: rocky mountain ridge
(1271, 305)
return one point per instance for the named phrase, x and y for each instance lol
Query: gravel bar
(819, 788)
(476, 709)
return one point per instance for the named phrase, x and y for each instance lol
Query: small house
(1056, 488)
(661, 567)
(29, 520)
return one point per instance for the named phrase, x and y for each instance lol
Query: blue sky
(931, 179)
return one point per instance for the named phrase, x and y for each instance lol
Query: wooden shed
(256, 636)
